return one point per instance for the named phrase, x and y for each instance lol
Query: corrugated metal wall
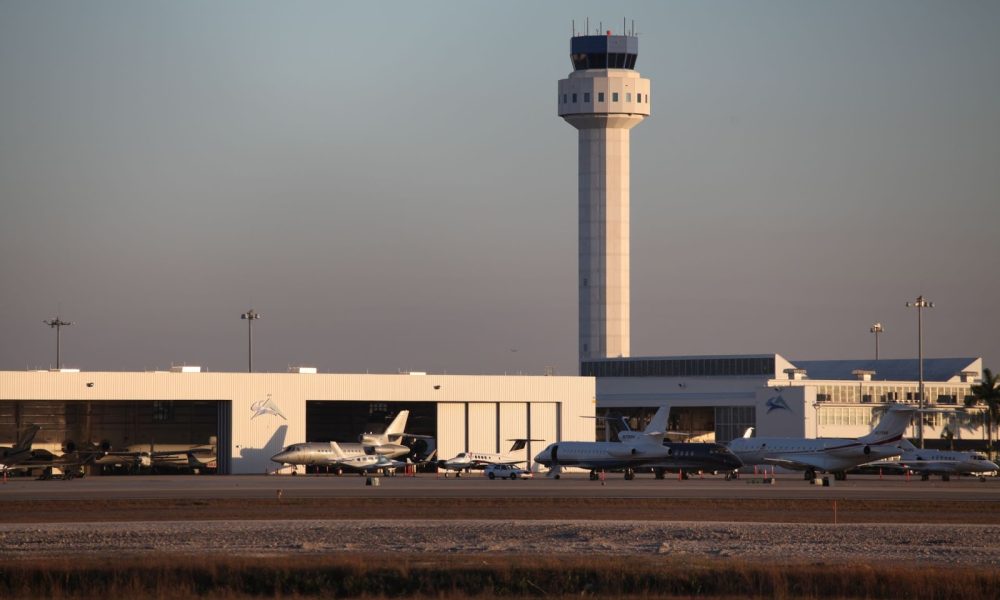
(482, 427)
(513, 421)
(544, 426)
(450, 429)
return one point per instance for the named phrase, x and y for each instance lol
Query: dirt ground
(626, 509)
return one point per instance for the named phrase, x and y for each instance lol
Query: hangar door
(491, 427)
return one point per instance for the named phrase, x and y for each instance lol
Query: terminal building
(252, 416)
(719, 397)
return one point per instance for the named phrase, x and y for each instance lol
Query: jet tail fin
(398, 425)
(906, 445)
(748, 433)
(28, 437)
(890, 429)
(520, 443)
(658, 424)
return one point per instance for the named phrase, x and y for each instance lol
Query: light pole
(920, 303)
(250, 316)
(876, 329)
(57, 324)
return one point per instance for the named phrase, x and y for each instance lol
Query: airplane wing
(799, 463)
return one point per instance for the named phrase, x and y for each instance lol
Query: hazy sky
(388, 184)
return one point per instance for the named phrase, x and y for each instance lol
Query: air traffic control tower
(604, 97)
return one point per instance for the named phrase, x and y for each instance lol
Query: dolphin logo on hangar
(265, 407)
(777, 403)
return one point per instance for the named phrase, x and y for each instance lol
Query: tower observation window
(600, 96)
(586, 96)
(614, 96)
(628, 96)
(574, 98)
(564, 98)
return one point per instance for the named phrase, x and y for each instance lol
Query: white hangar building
(254, 415)
(719, 397)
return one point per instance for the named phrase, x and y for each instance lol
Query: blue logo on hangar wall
(777, 403)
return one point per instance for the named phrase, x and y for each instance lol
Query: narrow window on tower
(628, 97)
(586, 96)
(574, 98)
(614, 96)
(600, 96)
(564, 98)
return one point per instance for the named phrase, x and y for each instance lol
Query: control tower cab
(604, 97)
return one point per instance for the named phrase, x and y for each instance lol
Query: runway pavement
(790, 486)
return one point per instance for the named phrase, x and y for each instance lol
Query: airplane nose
(280, 457)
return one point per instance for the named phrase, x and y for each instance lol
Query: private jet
(945, 463)
(336, 454)
(634, 449)
(827, 455)
(466, 461)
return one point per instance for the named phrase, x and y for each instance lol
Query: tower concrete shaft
(604, 98)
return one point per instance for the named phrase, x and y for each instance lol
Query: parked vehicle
(507, 472)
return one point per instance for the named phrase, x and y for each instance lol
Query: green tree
(987, 393)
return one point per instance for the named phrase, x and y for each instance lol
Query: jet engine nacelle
(69, 446)
(145, 460)
(624, 452)
(391, 449)
(867, 450)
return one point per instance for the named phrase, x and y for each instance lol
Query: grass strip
(455, 576)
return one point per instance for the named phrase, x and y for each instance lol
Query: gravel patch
(968, 545)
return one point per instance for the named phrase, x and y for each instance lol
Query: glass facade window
(679, 367)
(732, 422)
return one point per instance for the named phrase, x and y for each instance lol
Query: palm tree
(987, 392)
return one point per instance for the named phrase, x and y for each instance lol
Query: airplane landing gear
(593, 475)
(810, 474)
(629, 474)
(839, 476)
(659, 473)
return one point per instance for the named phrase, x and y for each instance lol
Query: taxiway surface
(788, 487)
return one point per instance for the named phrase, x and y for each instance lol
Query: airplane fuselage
(946, 462)
(477, 460)
(698, 456)
(601, 455)
(802, 454)
(324, 454)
